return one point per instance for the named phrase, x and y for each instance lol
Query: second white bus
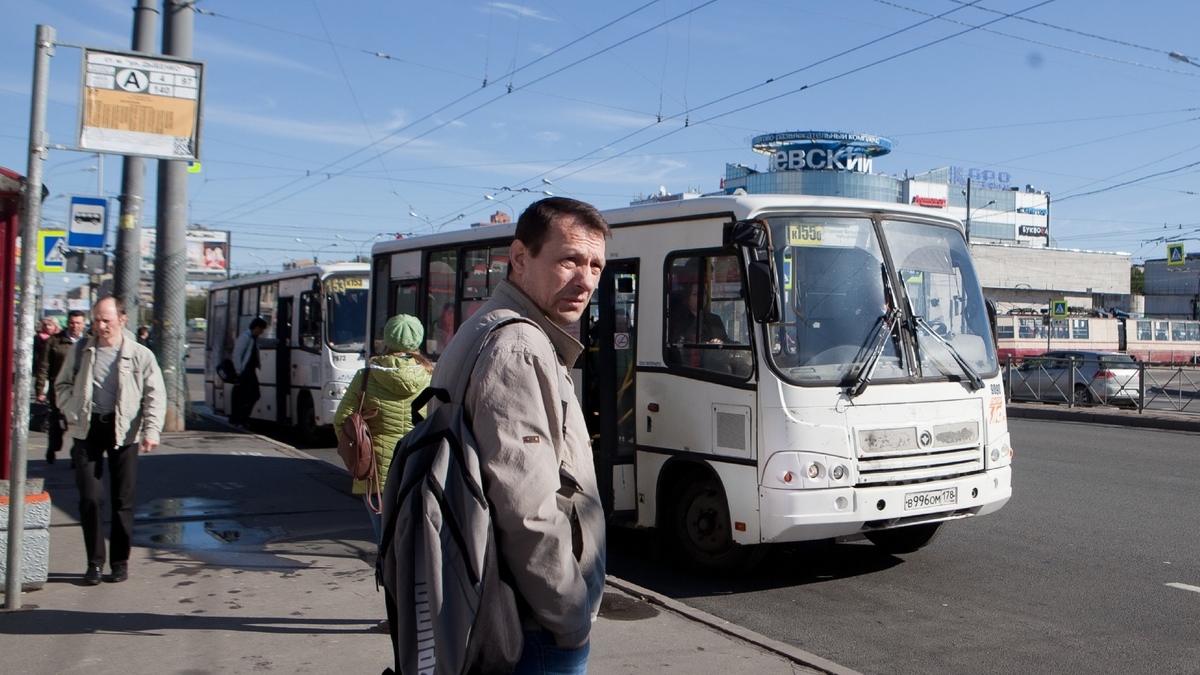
(312, 347)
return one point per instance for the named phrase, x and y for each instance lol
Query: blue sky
(309, 132)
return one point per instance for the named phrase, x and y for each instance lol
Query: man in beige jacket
(535, 450)
(110, 392)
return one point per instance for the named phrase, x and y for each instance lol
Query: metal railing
(1169, 387)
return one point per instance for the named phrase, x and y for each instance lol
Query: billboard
(207, 254)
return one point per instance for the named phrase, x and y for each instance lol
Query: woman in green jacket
(396, 379)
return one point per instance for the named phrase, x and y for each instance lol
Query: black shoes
(120, 572)
(92, 576)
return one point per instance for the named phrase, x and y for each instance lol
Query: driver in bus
(689, 323)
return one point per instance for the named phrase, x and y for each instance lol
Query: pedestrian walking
(59, 348)
(111, 394)
(246, 362)
(47, 328)
(533, 441)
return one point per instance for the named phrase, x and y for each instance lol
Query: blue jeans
(541, 656)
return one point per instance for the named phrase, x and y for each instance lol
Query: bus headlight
(802, 470)
(335, 390)
(1000, 452)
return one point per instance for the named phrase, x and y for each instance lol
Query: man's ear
(517, 257)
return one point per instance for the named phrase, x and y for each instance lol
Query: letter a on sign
(1175, 255)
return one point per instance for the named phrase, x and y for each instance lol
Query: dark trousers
(54, 426)
(89, 454)
(245, 395)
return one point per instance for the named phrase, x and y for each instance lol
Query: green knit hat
(403, 333)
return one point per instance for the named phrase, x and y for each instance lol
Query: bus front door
(611, 365)
(283, 362)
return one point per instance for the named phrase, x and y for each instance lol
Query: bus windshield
(837, 298)
(346, 302)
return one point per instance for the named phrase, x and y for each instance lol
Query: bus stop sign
(86, 222)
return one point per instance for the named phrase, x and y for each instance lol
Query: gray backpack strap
(464, 372)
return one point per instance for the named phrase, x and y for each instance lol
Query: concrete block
(32, 486)
(35, 561)
(37, 511)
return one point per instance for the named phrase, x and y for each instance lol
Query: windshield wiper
(887, 325)
(976, 380)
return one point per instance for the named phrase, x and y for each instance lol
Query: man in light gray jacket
(534, 445)
(111, 394)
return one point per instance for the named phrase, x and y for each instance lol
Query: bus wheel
(702, 530)
(905, 539)
(306, 420)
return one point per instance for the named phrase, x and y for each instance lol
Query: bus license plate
(930, 499)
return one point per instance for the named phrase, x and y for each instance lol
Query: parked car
(1086, 377)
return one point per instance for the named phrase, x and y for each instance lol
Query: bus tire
(702, 532)
(905, 539)
(306, 419)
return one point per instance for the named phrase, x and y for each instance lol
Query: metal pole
(968, 221)
(128, 254)
(170, 265)
(31, 220)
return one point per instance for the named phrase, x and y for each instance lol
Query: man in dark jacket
(59, 348)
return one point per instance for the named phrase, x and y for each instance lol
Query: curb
(1178, 422)
(794, 654)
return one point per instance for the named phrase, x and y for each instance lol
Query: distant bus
(312, 347)
(851, 390)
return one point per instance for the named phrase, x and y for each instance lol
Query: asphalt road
(1071, 577)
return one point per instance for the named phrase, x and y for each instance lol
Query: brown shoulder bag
(356, 449)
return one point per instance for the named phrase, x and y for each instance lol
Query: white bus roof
(322, 271)
(733, 206)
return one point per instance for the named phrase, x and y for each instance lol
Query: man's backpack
(356, 448)
(227, 371)
(450, 609)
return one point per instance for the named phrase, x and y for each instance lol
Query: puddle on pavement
(618, 607)
(186, 507)
(195, 527)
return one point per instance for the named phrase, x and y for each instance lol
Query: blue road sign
(87, 222)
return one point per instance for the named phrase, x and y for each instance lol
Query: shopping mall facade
(1009, 225)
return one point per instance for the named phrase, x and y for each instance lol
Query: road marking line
(1185, 587)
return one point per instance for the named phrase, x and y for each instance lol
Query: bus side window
(310, 320)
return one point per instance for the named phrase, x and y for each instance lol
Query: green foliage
(1137, 281)
(195, 306)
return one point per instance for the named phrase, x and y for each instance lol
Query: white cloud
(354, 135)
(213, 48)
(518, 11)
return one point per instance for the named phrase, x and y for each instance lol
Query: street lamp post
(971, 212)
(316, 250)
(358, 252)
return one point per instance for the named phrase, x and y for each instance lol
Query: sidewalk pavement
(251, 556)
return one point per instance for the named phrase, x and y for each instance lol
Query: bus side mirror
(749, 234)
(764, 300)
(760, 274)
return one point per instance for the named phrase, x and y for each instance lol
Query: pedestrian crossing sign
(1175, 256)
(52, 251)
(1058, 309)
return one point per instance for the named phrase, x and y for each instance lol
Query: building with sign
(1008, 225)
(1173, 286)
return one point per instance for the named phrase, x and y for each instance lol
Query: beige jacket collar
(512, 297)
